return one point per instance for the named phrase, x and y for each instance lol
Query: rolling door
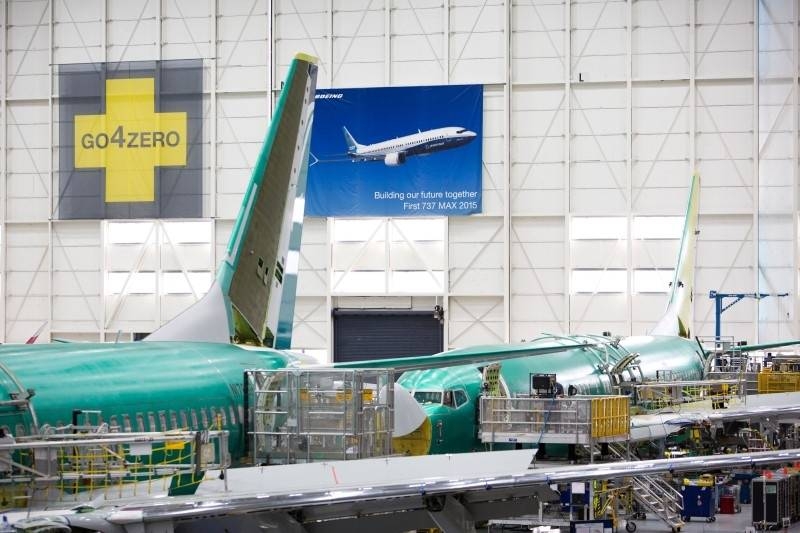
(360, 334)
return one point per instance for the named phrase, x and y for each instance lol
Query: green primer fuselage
(455, 429)
(152, 386)
(134, 382)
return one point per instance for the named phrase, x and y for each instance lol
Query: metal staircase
(653, 493)
(756, 441)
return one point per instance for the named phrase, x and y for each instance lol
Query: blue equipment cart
(699, 500)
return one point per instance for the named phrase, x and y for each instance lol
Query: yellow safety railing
(611, 416)
(778, 381)
(578, 419)
(109, 469)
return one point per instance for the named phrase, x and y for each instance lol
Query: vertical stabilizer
(252, 297)
(678, 320)
(352, 145)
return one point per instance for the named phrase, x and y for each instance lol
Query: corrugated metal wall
(596, 108)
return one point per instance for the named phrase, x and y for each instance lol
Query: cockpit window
(448, 399)
(426, 397)
(460, 397)
(461, 130)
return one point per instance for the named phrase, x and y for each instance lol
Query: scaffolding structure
(65, 467)
(308, 415)
(714, 394)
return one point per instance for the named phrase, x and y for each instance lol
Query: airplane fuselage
(154, 386)
(158, 386)
(425, 142)
(455, 426)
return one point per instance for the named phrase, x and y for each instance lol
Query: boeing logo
(329, 96)
(395, 151)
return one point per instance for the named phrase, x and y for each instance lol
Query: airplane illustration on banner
(394, 152)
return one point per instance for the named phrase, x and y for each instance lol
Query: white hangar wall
(595, 114)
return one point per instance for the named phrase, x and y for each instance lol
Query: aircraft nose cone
(412, 427)
(417, 442)
(408, 414)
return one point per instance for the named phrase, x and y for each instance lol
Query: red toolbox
(727, 504)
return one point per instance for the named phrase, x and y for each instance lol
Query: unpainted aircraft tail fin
(252, 298)
(678, 319)
(352, 145)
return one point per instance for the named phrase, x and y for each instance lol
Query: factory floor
(729, 523)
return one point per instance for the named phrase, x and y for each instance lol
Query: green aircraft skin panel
(455, 429)
(131, 379)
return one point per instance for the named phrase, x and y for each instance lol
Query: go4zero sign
(130, 140)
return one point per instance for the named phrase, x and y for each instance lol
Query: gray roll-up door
(360, 334)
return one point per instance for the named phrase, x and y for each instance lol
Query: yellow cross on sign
(130, 140)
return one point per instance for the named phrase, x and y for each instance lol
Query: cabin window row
(161, 421)
(193, 419)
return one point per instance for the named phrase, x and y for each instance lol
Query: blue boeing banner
(396, 151)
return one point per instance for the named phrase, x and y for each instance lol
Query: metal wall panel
(725, 145)
(598, 150)
(243, 46)
(598, 40)
(241, 127)
(600, 253)
(358, 42)
(417, 61)
(27, 161)
(27, 258)
(132, 31)
(596, 313)
(77, 285)
(591, 108)
(314, 278)
(777, 177)
(647, 309)
(660, 146)
(303, 26)
(537, 172)
(222, 232)
(537, 276)
(724, 38)
(538, 42)
(477, 42)
(655, 253)
(475, 320)
(79, 32)
(494, 159)
(27, 48)
(312, 323)
(660, 39)
(476, 256)
(186, 30)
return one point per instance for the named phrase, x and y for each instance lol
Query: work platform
(571, 420)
